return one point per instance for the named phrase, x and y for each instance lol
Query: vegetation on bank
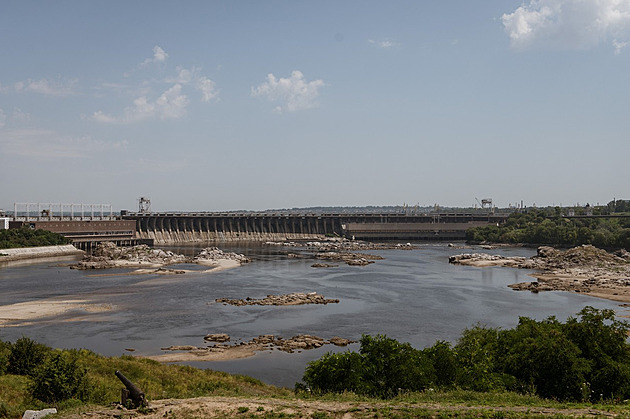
(35, 376)
(581, 363)
(552, 227)
(26, 237)
(586, 359)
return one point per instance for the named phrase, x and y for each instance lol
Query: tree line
(552, 227)
(584, 359)
(26, 237)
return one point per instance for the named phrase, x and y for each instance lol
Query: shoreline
(584, 269)
(24, 253)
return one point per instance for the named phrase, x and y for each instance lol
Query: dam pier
(175, 228)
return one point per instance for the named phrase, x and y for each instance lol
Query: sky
(253, 105)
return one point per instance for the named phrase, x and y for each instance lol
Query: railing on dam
(165, 228)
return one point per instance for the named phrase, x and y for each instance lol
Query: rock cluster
(263, 342)
(323, 265)
(296, 298)
(217, 337)
(484, 259)
(584, 269)
(214, 253)
(343, 245)
(108, 255)
(353, 259)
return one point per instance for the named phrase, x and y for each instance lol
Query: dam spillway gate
(177, 228)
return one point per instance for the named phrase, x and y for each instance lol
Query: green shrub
(25, 356)
(59, 378)
(585, 359)
(5, 350)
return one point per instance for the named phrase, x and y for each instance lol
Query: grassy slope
(240, 396)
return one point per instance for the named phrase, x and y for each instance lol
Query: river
(414, 296)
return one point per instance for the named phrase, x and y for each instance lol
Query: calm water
(414, 296)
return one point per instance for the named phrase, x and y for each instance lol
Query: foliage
(5, 350)
(26, 237)
(60, 378)
(587, 358)
(551, 227)
(25, 356)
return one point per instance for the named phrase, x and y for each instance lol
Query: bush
(587, 358)
(59, 378)
(5, 350)
(25, 356)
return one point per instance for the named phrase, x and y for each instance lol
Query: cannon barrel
(137, 395)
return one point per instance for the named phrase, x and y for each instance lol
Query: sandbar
(20, 314)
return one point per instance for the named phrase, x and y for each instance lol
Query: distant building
(4, 223)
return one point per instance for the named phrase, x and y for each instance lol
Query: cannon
(131, 393)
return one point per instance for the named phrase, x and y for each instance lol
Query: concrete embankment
(38, 252)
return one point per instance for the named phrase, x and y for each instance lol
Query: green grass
(160, 381)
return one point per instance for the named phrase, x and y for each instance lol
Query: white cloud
(159, 56)
(3, 118)
(294, 93)
(171, 104)
(384, 43)
(57, 87)
(46, 144)
(619, 45)
(207, 88)
(568, 24)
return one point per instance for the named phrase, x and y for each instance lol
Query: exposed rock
(337, 341)
(37, 414)
(352, 259)
(266, 342)
(296, 298)
(217, 337)
(484, 259)
(323, 265)
(108, 255)
(214, 253)
(343, 245)
(583, 269)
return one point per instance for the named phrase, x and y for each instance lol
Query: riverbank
(8, 255)
(583, 269)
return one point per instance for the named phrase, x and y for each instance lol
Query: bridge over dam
(178, 228)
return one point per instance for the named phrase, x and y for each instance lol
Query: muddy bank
(584, 269)
(224, 351)
(293, 299)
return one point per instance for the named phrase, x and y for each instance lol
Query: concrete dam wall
(180, 228)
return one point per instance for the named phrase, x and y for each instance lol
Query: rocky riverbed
(107, 255)
(584, 269)
(293, 299)
(223, 351)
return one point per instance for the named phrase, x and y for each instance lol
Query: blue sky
(223, 105)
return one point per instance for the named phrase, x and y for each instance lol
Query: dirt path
(221, 407)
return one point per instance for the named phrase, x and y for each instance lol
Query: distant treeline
(551, 226)
(26, 237)
(585, 359)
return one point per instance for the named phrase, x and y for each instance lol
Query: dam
(177, 228)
